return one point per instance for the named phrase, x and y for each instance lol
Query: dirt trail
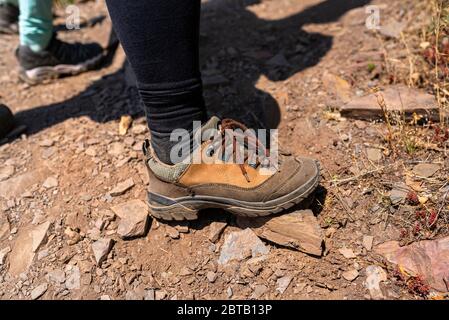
(264, 64)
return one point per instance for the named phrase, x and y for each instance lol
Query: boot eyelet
(210, 151)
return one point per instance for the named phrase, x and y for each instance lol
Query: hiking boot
(178, 192)
(59, 59)
(9, 17)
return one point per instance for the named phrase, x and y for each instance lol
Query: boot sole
(46, 74)
(187, 208)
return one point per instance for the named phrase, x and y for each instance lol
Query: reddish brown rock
(298, 230)
(397, 98)
(428, 258)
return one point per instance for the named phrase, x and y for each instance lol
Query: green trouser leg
(35, 22)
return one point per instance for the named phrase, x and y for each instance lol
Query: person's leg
(36, 23)
(41, 55)
(160, 38)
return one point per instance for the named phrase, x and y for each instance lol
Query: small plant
(432, 219)
(415, 284)
(412, 198)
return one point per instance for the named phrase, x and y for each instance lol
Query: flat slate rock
(398, 98)
(426, 170)
(16, 186)
(240, 245)
(133, 218)
(427, 258)
(298, 230)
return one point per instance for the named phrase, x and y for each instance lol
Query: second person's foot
(9, 17)
(59, 59)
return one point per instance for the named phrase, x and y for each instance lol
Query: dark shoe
(6, 121)
(179, 191)
(59, 59)
(9, 17)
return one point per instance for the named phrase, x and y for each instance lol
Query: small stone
(374, 276)
(48, 152)
(86, 197)
(133, 219)
(37, 292)
(160, 295)
(398, 194)
(211, 276)
(101, 249)
(125, 123)
(283, 283)
(425, 170)
(91, 151)
(42, 254)
(392, 29)
(300, 287)
(182, 228)
(344, 137)
(368, 242)
(229, 292)
(122, 187)
(46, 143)
(105, 297)
(56, 276)
(259, 291)
(374, 154)
(133, 295)
(350, 275)
(241, 245)
(139, 129)
(122, 162)
(73, 236)
(215, 230)
(185, 272)
(5, 227)
(73, 280)
(278, 60)
(50, 182)
(347, 253)
(3, 253)
(16, 186)
(6, 172)
(39, 235)
(172, 232)
(116, 148)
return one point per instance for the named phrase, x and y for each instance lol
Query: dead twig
(357, 177)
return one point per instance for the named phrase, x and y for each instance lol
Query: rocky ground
(73, 220)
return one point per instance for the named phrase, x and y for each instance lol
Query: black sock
(161, 41)
(169, 108)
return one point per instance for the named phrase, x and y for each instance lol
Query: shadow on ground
(225, 23)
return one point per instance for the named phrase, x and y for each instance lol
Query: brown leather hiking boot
(178, 192)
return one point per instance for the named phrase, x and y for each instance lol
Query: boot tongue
(210, 127)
